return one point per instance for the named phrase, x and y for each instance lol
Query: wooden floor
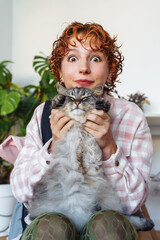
(144, 236)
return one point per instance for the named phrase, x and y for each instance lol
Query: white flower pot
(7, 203)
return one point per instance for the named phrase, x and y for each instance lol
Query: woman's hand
(98, 125)
(60, 124)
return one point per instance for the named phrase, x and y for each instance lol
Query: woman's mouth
(84, 82)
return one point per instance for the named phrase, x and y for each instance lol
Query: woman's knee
(51, 226)
(109, 225)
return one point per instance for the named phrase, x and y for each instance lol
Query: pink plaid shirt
(128, 169)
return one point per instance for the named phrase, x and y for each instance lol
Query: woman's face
(83, 67)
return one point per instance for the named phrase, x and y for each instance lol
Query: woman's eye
(72, 59)
(96, 59)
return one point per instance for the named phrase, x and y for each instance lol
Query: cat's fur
(75, 185)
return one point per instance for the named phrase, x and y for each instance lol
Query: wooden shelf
(154, 123)
(153, 120)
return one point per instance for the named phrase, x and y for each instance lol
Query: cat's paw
(147, 226)
(107, 106)
(103, 105)
(141, 223)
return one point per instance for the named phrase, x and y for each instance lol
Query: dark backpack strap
(45, 122)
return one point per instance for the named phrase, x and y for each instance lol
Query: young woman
(86, 56)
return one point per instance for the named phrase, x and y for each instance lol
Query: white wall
(5, 29)
(36, 23)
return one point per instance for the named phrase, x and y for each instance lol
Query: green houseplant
(16, 108)
(9, 100)
(17, 104)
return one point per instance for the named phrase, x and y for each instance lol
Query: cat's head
(79, 101)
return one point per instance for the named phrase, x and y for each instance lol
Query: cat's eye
(72, 59)
(96, 59)
(72, 98)
(84, 99)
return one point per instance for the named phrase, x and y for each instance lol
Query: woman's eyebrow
(72, 49)
(89, 50)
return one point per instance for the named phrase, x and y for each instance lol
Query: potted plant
(138, 98)
(7, 201)
(16, 109)
(17, 104)
(7, 105)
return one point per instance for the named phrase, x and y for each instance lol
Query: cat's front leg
(57, 101)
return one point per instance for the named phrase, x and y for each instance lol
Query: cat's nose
(77, 102)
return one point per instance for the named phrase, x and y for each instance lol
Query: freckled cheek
(68, 74)
(101, 78)
(104, 76)
(101, 73)
(67, 70)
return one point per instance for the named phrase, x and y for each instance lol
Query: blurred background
(28, 27)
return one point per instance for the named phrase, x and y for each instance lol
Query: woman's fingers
(65, 128)
(98, 113)
(60, 124)
(98, 125)
(97, 119)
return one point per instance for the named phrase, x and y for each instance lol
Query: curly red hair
(101, 41)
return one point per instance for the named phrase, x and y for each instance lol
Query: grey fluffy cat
(75, 185)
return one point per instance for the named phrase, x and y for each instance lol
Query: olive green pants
(104, 225)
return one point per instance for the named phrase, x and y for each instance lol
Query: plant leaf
(39, 57)
(8, 101)
(4, 125)
(40, 64)
(147, 102)
(5, 74)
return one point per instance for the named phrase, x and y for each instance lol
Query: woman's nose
(84, 67)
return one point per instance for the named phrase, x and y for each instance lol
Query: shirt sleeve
(32, 161)
(128, 169)
(10, 148)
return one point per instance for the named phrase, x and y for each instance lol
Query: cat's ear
(98, 91)
(61, 89)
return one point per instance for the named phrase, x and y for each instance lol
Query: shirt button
(117, 163)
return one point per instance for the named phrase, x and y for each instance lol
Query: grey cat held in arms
(75, 185)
